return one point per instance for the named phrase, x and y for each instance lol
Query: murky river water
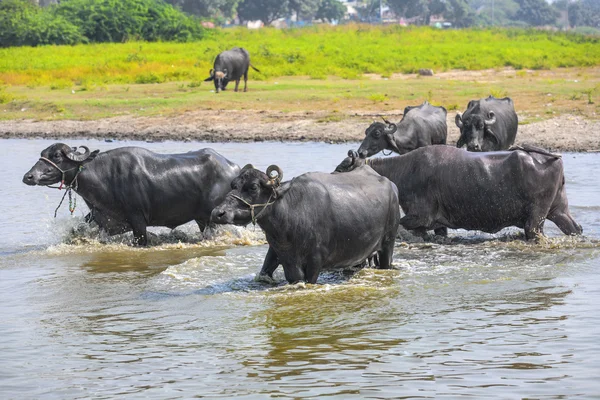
(484, 316)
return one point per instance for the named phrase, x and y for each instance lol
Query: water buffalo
(131, 188)
(422, 125)
(488, 125)
(444, 187)
(316, 220)
(230, 65)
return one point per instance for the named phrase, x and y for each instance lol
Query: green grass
(319, 52)
(573, 91)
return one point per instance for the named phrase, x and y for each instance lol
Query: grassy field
(537, 95)
(318, 52)
(332, 69)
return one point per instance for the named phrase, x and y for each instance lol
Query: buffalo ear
(489, 134)
(458, 120)
(389, 137)
(93, 155)
(247, 166)
(211, 77)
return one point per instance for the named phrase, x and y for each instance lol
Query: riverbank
(563, 133)
(558, 109)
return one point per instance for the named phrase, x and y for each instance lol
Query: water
(477, 315)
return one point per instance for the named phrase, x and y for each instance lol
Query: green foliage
(22, 23)
(330, 10)
(207, 8)
(536, 12)
(584, 13)
(345, 51)
(265, 10)
(123, 20)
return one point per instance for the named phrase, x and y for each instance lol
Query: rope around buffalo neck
(252, 206)
(69, 188)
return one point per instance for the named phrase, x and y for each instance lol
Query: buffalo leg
(293, 273)
(246, 81)
(441, 231)
(566, 223)
(385, 254)
(140, 236)
(269, 265)
(237, 83)
(534, 227)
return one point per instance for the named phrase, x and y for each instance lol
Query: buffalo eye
(376, 133)
(254, 187)
(57, 156)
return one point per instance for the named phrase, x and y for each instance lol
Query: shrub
(123, 20)
(24, 24)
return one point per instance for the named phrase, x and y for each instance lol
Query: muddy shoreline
(562, 133)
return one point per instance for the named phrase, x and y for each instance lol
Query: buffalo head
(475, 130)
(378, 137)
(251, 192)
(56, 163)
(220, 79)
(350, 163)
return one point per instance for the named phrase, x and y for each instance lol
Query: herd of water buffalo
(342, 219)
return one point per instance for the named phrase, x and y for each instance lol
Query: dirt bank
(562, 133)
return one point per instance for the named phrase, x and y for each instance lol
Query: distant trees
(584, 13)
(22, 22)
(536, 12)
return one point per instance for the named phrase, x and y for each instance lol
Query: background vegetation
(347, 51)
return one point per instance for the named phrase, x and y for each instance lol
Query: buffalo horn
(274, 180)
(492, 118)
(352, 154)
(458, 120)
(385, 120)
(78, 157)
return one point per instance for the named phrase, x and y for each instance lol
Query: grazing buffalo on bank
(488, 125)
(420, 126)
(444, 187)
(316, 220)
(231, 65)
(131, 188)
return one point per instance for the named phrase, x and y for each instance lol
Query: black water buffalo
(316, 220)
(131, 188)
(231, 65)
(420, 126)
(444, 187)
(488, 125)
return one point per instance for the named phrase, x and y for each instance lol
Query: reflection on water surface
(485, 316)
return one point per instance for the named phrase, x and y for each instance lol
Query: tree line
(24, 22)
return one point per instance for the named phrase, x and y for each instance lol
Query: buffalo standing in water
(316, 220)
(444, 187)
(131, 188)
(422, 125)
(231, 65)
(488, 125)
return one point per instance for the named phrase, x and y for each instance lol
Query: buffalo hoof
(264, 278)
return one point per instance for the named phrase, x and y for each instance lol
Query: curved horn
(392, 130)
(78, 157)
(385, 120)
(352, 154)
(458, 120)
(274, 180)
(492, 118)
